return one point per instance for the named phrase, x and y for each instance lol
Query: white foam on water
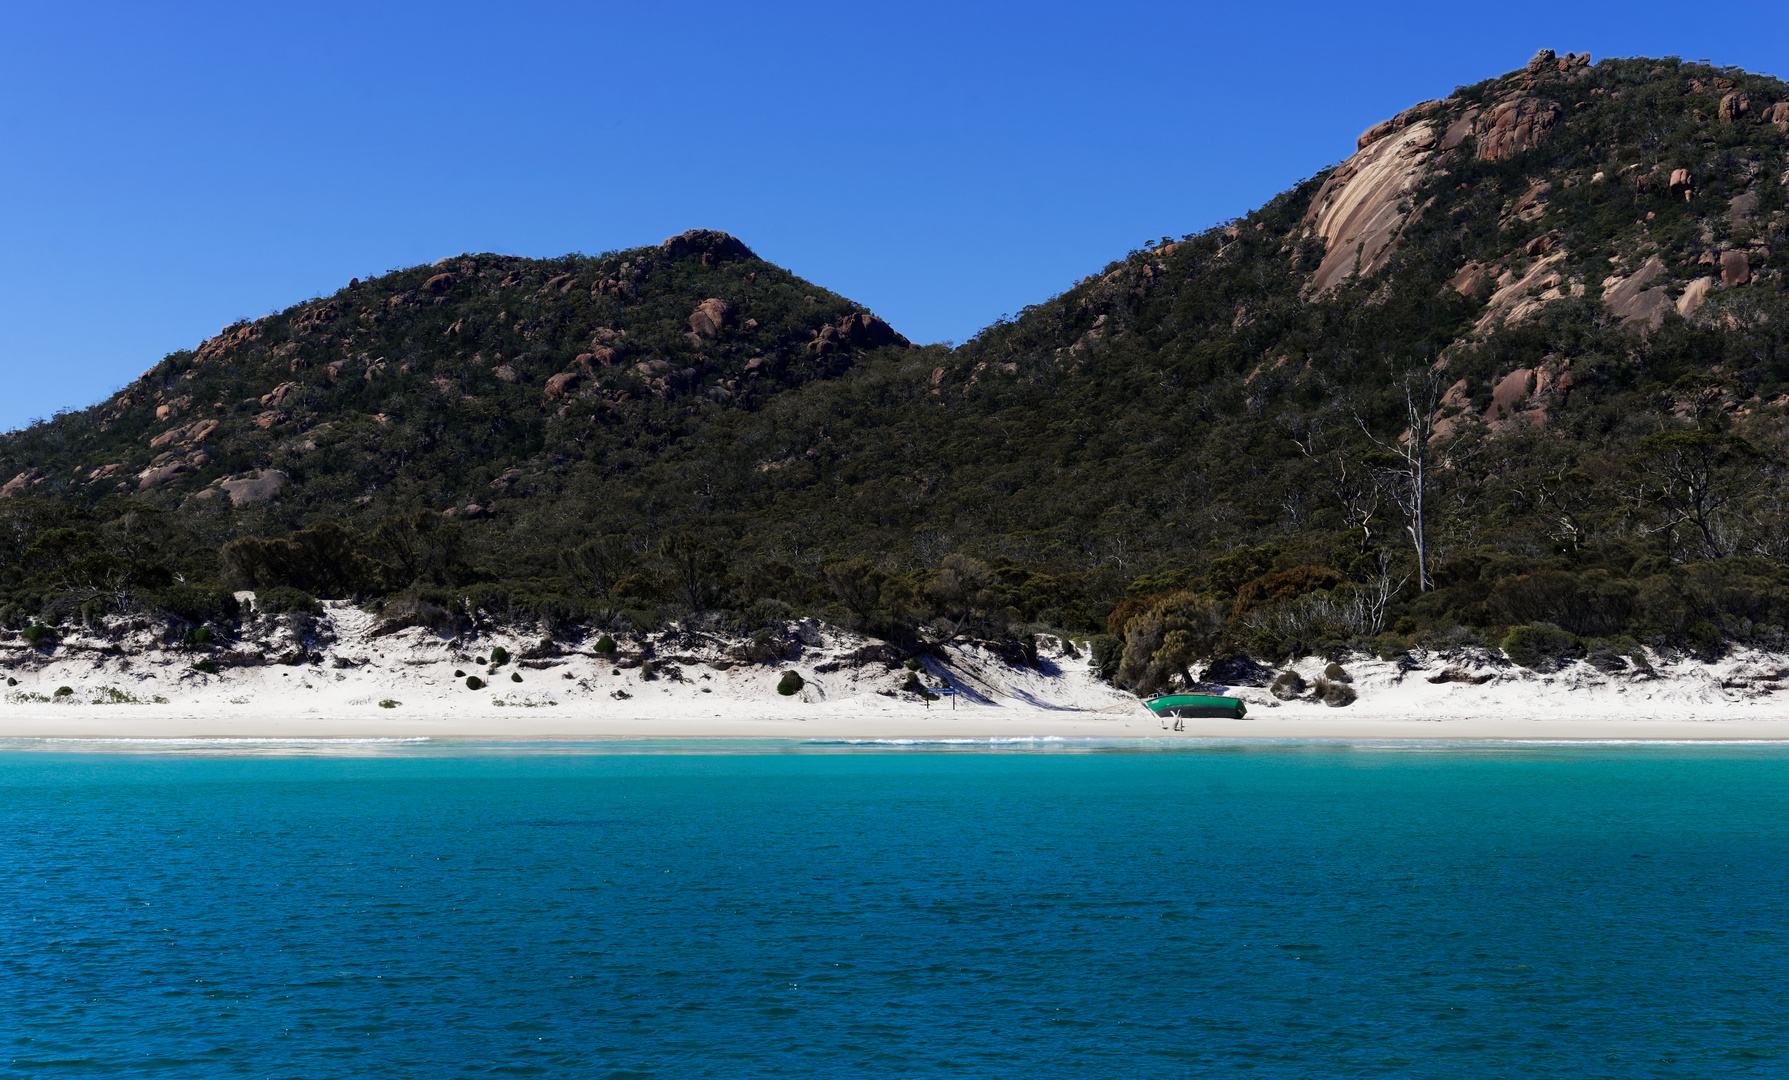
(225, 740)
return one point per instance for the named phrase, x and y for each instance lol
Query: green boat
(1188, 706)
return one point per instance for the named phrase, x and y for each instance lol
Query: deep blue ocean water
(776, 910)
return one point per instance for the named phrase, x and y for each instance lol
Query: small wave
(227, 740)
(1005, 740)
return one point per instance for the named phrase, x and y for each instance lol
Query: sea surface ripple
(849, 910)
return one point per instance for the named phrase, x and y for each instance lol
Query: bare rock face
(157, 475)
(438, 284)
(1513, 127)
(1682, 183)
(712, 246)
(1629, 299)
(710, 317)
(505, 373)
(1357, 210)
(17, 484)
(1735, 106)
(1516, 298)
(1735, 268)
(1741, 208)
(563, 383)
(866, 331)
(263, 486)
(1509, 393)
(599, 356)
(1467, 279)
(1695, 294)
(1543, 60)
(1778, 115)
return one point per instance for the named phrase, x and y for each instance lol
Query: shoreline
(336, 676)
(1015, 725)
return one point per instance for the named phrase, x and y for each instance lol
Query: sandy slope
(571, 692)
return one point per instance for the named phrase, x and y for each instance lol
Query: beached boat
(1188, 706)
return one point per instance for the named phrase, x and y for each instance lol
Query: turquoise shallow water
(754, 910)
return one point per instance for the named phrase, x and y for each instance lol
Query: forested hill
(1562, 286)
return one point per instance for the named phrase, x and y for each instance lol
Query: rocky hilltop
(1511, 376)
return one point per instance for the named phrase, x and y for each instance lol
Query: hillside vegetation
(1514, 373)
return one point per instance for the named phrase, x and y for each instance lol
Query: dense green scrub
(1187, 451)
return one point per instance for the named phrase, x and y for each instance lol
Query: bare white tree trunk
(1409, 481)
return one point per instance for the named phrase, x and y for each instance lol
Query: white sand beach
(126, 683)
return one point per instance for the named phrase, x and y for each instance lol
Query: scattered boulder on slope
(261, 487)
(1735, 268)
(710, 317)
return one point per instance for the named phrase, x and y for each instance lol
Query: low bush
(195, 604)
(390, 703)
(1334, 694)
(515, 676)
(1337, 673)
(473, 682)
(38, 634)
(280, 599)
(1289, 685)
(1107, 652)
(63, 691)
(499, 655)
(200, 636)
(605, 646)
(206, 666)
(416, 610)
(790, 684)
(1541, 646)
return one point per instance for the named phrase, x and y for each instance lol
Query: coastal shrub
(200, 636)
(1337, 673)
(1541, 646)
(1107, 652)
(63, 691)
(1289, 685)
(1704, 639)
(1163, 641)
(648, 670)
(111, 695)
(1606, 658)
(417, 610)
(605, 646)
(499, 655)
(1389, 647)
(473, 682)
(1334, 694)
(195, 604)
(280, 599)
(458, 674)
(913, 663)
(1284, 585)
(206, 666)
(390, 703)
(38, 634)
(515, 676)
(913, 685)
(790, 684)
(10, 681)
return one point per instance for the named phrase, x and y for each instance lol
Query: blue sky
(170, 168)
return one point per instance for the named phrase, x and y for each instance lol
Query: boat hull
(1191, 706)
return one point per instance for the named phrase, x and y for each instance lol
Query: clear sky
(169, 168)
